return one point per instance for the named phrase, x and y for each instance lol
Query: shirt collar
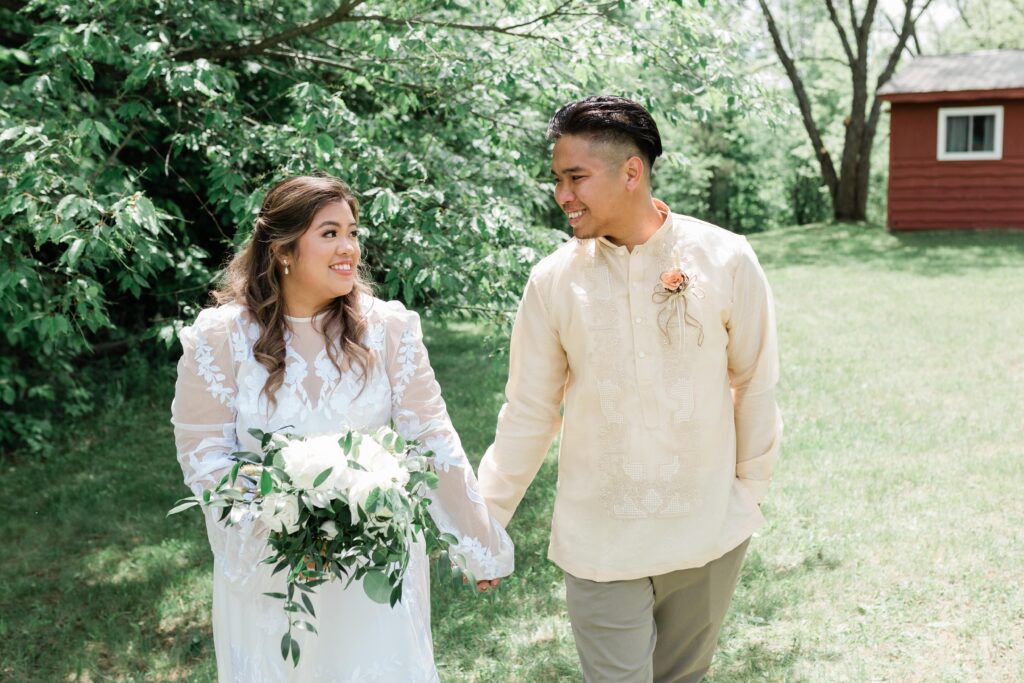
(658, 235)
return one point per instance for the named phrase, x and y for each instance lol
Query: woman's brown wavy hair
(254, 275)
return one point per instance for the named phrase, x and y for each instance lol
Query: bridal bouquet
(345, 506)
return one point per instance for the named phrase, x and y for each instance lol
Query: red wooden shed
(956, 142)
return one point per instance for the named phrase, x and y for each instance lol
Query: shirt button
(642, 354)
(637, 285)
(639, 320)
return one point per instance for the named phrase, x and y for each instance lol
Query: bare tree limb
(834, 17)
(864, 31)
(234, 51)
(316, 59)
(344, 14)
(113, 155)
(871, 125)
(831, 60)
(853, 17)
(961, 8)
(486, 28)
(904, 33)
(828, 171)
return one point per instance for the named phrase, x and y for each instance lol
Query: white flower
(384, 470)
(305, 459)
(280, 512)
(329, 529)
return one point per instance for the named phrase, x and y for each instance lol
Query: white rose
(383, 471)
(329, 529)
(376, 458)
(280, 512)
(305, 460)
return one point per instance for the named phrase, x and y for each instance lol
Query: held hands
(482, 586)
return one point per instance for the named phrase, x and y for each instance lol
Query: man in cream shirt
(657, 333)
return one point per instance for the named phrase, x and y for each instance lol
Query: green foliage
(137, 140)
(988, 25)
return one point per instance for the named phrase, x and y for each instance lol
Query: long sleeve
(203, 415)
(419, 412)
(530, 418)
(753, 374)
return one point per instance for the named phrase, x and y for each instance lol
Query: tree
(138, 137)
(848, 186)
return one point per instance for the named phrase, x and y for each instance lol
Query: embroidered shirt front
(670, 426)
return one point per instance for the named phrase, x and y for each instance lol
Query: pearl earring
(285, 267)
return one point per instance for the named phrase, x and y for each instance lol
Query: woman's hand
(482, 586)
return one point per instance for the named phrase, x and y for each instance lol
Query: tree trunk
(849, 187)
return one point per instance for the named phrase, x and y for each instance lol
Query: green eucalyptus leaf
(377, 587)
(322, 477)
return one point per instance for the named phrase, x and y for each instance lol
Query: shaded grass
(892, 550)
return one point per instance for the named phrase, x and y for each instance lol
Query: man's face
(590, 186)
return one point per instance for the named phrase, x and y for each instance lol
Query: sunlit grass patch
(892, 549)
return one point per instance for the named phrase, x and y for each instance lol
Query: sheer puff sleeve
(203, 415)
(419, 413)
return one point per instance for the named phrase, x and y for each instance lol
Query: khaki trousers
(659, 628)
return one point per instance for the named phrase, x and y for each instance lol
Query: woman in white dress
(297, 341)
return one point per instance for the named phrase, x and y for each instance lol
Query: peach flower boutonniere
(673, 280)
(674, 292)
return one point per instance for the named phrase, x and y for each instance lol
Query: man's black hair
(606, 118)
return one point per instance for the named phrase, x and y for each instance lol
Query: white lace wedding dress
(217, 400)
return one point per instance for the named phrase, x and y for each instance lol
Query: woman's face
(323, 265)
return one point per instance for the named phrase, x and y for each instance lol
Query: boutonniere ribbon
(673, 293)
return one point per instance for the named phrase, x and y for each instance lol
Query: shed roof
(982, 70)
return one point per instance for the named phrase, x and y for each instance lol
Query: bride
(297, 341)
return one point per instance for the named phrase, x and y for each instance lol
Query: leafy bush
(137, 139)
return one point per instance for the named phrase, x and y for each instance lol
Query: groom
(656, 332)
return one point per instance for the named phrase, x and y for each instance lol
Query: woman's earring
(285, 267)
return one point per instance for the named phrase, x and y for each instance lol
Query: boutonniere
(674, 290)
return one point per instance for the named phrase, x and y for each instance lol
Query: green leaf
(322, 477)
(295, 652)
(286, 642)
(308, 603)
(105, 132)
(266, 483)
(183, 506)
(279, 596)
(325, 142)
(75, 251)
(377, 587)
(396, 594)
(304, 625)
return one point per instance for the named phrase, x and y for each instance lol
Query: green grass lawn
(894, 549)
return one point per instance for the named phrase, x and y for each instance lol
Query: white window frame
(995, 154)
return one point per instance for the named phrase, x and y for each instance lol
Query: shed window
(967, 133)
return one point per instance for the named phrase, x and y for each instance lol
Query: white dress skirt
(218, 399)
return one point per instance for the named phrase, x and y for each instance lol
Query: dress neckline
(307, 319)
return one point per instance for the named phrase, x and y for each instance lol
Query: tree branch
(343, 14)
(834, 17)
(909, 21)
(894, 57)
(828, 171)
(485, 28)
(233, 51)
(864, 32)
(316, 59)
(113, 155)
(853, 18)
